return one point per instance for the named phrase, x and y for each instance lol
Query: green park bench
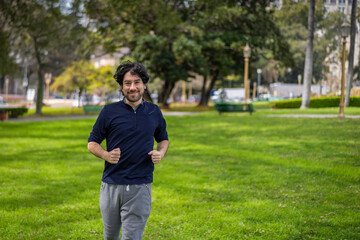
(92, 108)
(234, 107)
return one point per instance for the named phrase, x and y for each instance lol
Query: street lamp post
(47, 81)
(345, 31)
(25, 81)
(183, 93)
(258, 80)
(254, 90)
(299, 84)
(7, 88)
(247, 52)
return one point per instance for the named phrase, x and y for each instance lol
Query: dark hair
(134, 68)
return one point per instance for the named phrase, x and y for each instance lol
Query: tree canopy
(48, 31)
(82, 76)
(176, 38)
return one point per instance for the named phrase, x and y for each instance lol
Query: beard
(133, 96)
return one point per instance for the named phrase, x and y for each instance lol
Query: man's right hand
(114, 156)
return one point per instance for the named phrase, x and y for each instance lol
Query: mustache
(129, 91)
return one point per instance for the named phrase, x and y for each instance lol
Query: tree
(353, 32)
(326, 45)
(102, 81)
(292, 20)
(150, 35)
(184, 37)
(77, 77)
(7, 62)
(226, 29)
(309, 58)
(164, 60)
(34, 22)
(48, 31)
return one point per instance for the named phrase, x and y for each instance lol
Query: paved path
(311, 115)
(50, 118)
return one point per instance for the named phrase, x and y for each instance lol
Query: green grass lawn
(51, 111)
(232, 176)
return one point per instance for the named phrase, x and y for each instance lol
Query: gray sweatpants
(125, 207)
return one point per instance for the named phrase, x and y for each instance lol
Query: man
(129, 127)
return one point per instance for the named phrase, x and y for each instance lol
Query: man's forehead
(131, 77)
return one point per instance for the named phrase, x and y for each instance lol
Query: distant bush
(293, 103)
(354, 102)
(15, 112)
(322, 102)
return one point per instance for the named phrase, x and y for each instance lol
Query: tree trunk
(79, 97)
(161, 95)
(40, 87)
(214, 77)
(165, 93)
(350, 75)
(305, 102)
(203, 89)
(2, 82)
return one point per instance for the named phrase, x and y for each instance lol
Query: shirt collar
(142, 103)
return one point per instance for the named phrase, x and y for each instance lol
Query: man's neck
(134, 105)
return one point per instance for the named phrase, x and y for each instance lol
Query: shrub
(354, 101)
(315, 102)
(15, 112)
(293, 103)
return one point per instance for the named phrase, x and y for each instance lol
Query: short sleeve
(99, 131)
(160, 132)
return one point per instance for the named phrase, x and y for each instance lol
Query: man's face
(133, 88)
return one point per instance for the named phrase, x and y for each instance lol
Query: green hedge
(315, 102)
(15, 112)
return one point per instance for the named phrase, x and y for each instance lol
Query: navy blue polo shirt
(133, 131)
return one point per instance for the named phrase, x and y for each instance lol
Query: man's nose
(132, 86)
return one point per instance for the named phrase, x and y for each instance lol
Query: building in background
(339, 5)
(293, 90)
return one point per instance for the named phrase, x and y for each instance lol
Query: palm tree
(305, 102)
(351, 53)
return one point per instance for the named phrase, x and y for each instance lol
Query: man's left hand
(156, 156)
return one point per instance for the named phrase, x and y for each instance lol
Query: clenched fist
(114, 156)
(156, 156)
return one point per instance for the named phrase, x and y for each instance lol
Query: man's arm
(111, 157)
(157, 155)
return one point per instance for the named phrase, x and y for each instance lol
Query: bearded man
(129, 127)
